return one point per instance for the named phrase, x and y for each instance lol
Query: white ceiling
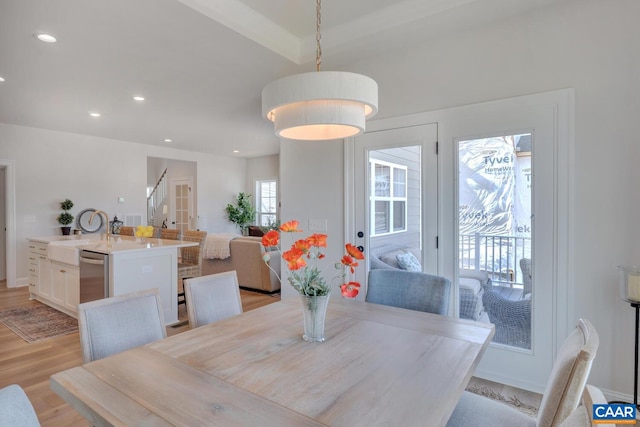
(201, 64)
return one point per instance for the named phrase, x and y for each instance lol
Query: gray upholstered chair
(212, 298)
(409, 289)
(16, 409)
(561, 397)
(582, 416)
(116, 324)
(525, 266)
(511, 318)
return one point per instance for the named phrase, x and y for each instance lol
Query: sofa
(472, 283)
(246, 260)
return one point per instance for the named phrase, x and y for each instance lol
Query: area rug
(512, 401)
(38, 322)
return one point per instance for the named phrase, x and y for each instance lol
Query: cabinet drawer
(37, 248)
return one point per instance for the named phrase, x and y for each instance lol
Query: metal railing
(499, 256)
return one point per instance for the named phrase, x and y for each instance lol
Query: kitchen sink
(66, 251)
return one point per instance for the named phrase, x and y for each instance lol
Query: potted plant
(243, 213)
(65, 218)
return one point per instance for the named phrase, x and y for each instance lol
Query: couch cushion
(389, 258)
(408, 261)
(471, 284)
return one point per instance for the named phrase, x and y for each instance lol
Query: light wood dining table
(379, 366)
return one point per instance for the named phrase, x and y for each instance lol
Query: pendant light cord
(318, 37)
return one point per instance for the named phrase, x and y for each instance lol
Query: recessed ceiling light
(236, 151)
(168, 140)
(94, 114)
(138, 98)
(47, 38)
(1, 79)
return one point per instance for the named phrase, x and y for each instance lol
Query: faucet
(106, 217)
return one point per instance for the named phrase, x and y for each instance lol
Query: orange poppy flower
(349, 262)
(271, 238)
(303, 245)
(318, 240)
(294, 258)
(354, 251)
(350, 290)
(296, 264)
(290, 227)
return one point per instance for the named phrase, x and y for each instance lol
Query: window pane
(399, 182)
(381, 217)
(398, 215)
(383, 181)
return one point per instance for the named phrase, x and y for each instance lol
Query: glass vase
(314, 310)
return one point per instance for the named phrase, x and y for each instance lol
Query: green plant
(273, 225)
(243, 213)
(65, 218)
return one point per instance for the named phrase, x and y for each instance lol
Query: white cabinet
(53, 283)
(65, 287)
(37, 255)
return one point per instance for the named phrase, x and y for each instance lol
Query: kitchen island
(134, 264)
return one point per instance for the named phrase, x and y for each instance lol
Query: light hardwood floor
(31, 365)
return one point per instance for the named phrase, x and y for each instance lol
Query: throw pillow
(408, 261)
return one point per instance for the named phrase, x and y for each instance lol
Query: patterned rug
(512, 401)
(38, 322)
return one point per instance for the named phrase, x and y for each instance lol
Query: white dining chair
(211, 298)
(112, 325)
(582, 416)
(561, 397)
(16, 409)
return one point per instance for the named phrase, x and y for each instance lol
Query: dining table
(379, 366)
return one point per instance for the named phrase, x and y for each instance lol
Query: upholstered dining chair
(16, 409)
(561, 397)
(169, 233)
(126, 230)
(211, 298)
(409, 289)
(112, 325)
(582, 416)
(190, 263)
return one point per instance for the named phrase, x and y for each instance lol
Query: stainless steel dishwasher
(94, 276)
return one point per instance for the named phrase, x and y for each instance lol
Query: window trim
(391, 199)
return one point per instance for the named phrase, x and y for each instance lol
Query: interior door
(182, 204)
(395, 197)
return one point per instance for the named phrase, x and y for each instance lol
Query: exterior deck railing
(499, 256)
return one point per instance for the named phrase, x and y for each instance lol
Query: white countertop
(116, 243)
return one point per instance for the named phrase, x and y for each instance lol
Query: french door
(537, 130)
(395, 194)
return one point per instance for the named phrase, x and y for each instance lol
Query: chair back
(211, 298)
(409, 289)
(169, 233)
(16, 409)
(112, 325)
(127, 230)
(583, 414)
(569, 375)
(525, 266)
(191, 258)
(512, 319)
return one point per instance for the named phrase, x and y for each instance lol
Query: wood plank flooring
(31, 365)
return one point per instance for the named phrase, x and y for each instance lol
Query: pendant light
(320, 105)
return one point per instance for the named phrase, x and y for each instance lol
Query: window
(266, 202)
(389, 198)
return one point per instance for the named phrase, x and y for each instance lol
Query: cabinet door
(45, 278)
(59, 283)
(73, 289)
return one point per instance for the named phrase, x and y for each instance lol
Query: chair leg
(181, 294)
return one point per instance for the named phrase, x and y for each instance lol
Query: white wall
(590, 45)
(93, 172)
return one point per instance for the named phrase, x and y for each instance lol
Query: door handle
(361, 248)
(360, 234)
